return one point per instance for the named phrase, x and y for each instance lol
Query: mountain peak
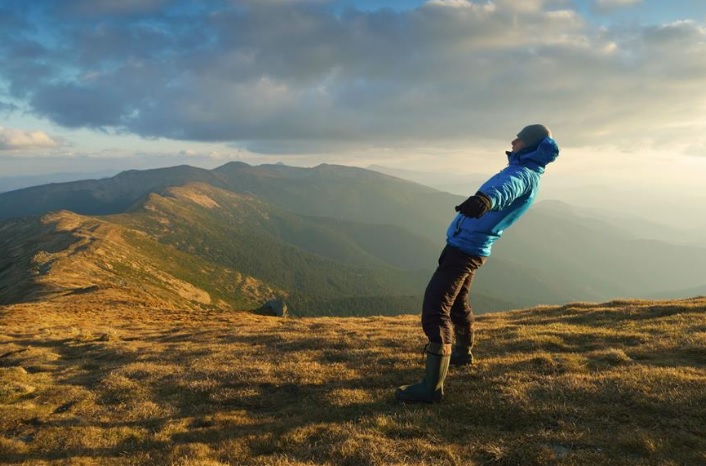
(234, 165)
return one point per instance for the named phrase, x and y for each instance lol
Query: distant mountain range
(12, 183)
(328, 239)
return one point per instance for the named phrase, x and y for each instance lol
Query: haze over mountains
(13, 183)
(328, 239)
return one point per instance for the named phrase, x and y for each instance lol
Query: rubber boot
(461, 353)
(431, 388)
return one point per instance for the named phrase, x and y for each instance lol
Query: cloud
(7, 107)
(286, 76)
(111, 7)
(17, 139)
(607, 6)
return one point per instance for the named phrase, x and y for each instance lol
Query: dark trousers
(446, 305)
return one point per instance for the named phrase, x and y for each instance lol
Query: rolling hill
(64, 255)
(197, 246)
(348, 233)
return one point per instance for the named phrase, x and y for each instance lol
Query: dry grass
(622, 383)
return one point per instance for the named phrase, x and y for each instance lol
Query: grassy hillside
(619, 383)
(315, 262)
(197, 246)
(362, 219)
(346, 193)
(116, 260)
(65, 254)
(323, 266)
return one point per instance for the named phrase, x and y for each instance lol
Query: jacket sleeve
(508, 185)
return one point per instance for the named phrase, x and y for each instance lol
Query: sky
(437, 87)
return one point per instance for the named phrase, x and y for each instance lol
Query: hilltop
(90, 382)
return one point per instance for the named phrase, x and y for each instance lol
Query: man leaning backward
(447, 316)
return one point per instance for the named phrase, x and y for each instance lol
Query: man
(446, 312)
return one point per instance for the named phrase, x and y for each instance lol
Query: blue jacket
(511, 191)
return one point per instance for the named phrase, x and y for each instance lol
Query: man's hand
(475, 206)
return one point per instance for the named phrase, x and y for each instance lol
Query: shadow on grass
(119, 376)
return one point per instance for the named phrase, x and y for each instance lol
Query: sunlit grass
(616, 383)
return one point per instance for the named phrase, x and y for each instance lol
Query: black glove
(475, 206)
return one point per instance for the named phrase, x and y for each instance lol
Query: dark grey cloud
(76, 106)
(275, 74)
(8, 107)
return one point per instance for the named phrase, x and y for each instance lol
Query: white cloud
(17, 139)
(489, 6)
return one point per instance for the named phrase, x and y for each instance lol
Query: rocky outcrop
(275, 307)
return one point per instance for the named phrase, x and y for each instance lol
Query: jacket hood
(545, 153)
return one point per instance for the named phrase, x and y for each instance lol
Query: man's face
(518, 144)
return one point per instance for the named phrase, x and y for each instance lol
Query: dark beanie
(533, 134)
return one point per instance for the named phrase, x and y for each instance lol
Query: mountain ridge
(196, 246)
(356, 217)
